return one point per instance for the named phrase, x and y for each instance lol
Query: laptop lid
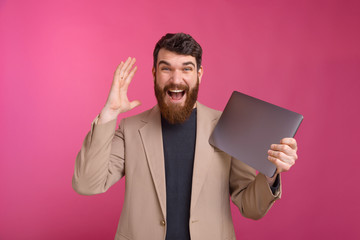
(247, 128)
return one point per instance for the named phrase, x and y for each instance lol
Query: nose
(176, 77)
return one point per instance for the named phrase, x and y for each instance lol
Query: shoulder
(140, 116)
(208, 112)
(139, 119)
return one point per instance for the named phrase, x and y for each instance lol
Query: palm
(118, 101)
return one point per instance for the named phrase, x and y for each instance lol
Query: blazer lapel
(203, 152)
(151, 135)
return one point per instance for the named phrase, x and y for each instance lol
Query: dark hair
(180, 43)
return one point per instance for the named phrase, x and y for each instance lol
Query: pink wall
(56, 65)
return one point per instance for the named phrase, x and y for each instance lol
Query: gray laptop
(247, 128)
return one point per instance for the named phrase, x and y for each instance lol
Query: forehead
(174, 58)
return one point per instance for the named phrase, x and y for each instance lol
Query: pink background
(57, 59)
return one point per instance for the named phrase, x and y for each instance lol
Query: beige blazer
(135, 150)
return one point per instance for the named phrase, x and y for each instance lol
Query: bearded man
(177, 185)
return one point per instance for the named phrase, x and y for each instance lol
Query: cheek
(160, 81)
(191, 81)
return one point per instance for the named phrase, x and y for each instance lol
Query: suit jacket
(135, 150)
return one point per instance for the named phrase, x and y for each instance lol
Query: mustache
(176, 86)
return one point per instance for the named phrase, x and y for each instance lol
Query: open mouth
(176, 94)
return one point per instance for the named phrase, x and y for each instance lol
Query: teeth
(176, 91)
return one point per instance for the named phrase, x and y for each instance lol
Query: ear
(153, 73)
(200, 73)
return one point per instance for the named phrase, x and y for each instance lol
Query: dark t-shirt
(179, 148)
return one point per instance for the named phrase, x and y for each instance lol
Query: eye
(165, 69)
(187, 69)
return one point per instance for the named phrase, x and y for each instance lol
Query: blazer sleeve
(100, 163)
(251, 193)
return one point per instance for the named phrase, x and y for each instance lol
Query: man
(177, 184)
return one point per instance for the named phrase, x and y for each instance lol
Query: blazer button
(163, 222)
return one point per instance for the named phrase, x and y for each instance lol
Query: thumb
(134, 104)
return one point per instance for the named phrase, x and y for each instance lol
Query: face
(176, 85)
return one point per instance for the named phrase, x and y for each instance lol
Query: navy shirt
(179, 148)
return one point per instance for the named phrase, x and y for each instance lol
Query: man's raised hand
(117, 101)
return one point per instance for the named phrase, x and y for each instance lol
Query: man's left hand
(283, 155)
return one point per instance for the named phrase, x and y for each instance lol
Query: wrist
(271, 180)
(107, 115)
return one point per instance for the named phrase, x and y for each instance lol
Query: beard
(175, 113)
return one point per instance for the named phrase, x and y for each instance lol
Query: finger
(129, 78)
(283, 148)
(128, 68)
(117, 70)
(282, 157)
(134, 104)
(289, 141)
(280, 165)
(122, 70)
(116, 83)
(131, 75)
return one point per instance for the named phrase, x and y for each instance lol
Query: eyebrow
(189, 63)
(166, 63)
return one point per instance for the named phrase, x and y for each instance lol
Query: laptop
(247, 128)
